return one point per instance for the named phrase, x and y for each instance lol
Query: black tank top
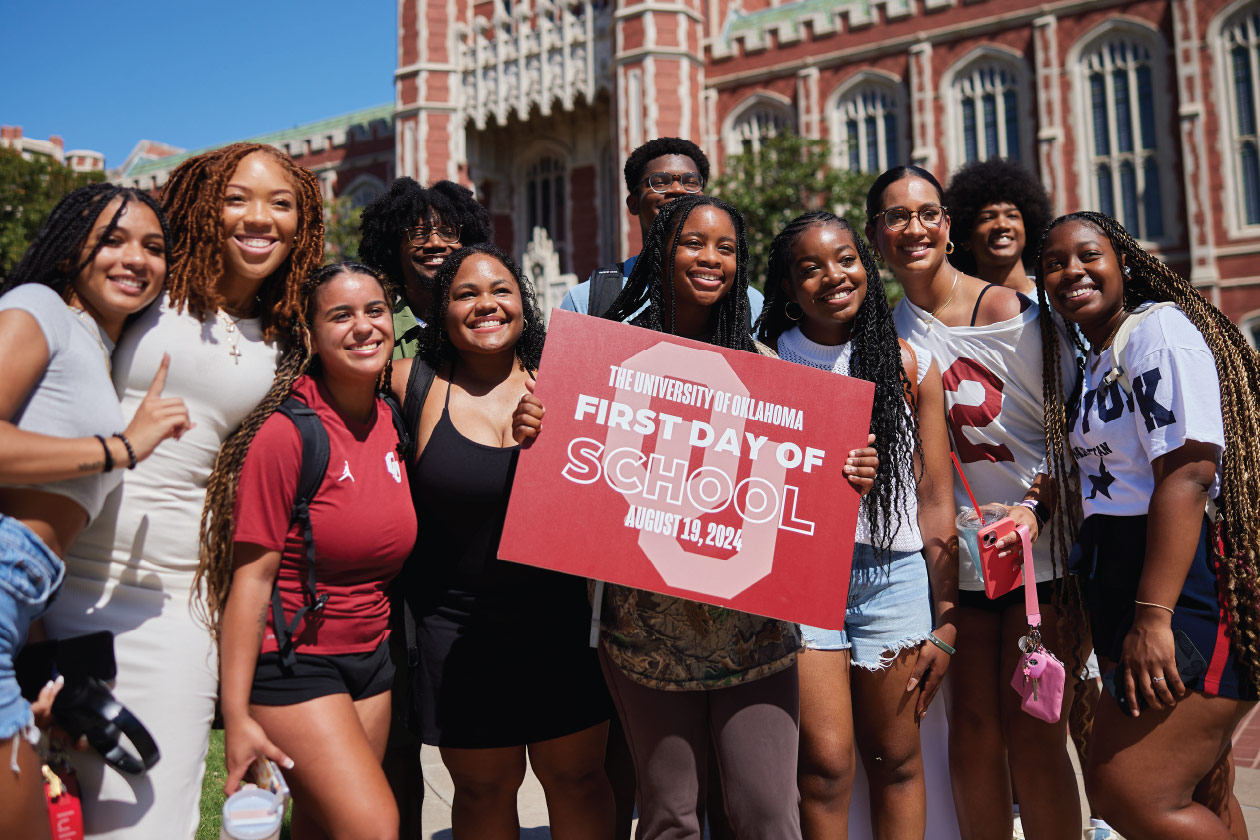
(460, 489)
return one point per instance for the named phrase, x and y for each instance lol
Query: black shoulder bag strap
(606, 284)
(406, 436)
(314, 464)
(418, 385)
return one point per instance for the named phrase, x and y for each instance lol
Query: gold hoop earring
(949, 246)
(788, 312)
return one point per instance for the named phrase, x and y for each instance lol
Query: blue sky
(189, 72)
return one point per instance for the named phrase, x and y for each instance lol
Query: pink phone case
(1001, 575)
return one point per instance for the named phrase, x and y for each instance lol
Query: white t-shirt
(994, 410)
(1176, 398)
(795, 347)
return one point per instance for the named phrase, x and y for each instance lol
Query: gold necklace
(931, 318)
(233, 334)
(95, 330)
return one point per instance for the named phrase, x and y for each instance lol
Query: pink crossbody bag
(1039, 677)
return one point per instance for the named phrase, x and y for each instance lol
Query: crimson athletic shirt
(362, 519)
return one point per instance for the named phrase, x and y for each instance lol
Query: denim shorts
(29, 577)
(889, 609)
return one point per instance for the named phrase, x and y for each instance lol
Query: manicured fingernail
(48, 685)
(288, 764)
(61, 679)
(910, 685)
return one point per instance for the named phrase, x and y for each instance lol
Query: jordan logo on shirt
(345, 473)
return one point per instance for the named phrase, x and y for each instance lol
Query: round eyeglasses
(421, 233)
(897, 218)
(660, 181)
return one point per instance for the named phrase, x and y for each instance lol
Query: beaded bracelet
(131, 453)
(109, 459)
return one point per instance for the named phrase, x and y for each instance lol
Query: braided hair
(402, 206)
(654, 270)
(193, 199)
(876, 358)
(435, 343)
(1238, 368)
(53, 258)
(218, 517)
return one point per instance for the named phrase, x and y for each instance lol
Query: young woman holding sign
(679, 670)
(826, 308)
(505, 667)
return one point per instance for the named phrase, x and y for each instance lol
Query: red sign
(675, 466)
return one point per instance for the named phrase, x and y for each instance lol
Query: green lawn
(212, 793)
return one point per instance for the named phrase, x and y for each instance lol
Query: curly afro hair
(435, 343)
(637, 163)
(404, 204)
(985, 182)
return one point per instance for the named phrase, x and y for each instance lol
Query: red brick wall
(584, 220)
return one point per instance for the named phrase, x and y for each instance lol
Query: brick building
(54, 148)
(1146, 109)
(353, 155)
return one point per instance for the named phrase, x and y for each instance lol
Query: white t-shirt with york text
(1176, 397)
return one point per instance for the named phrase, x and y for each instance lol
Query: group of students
(208, 321)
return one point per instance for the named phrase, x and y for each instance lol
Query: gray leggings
(754, 727)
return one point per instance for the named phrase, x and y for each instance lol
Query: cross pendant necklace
(233, 335)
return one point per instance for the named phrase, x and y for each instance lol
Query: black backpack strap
(418, 385)
(606, 284)
(315, 451)
(405, 435)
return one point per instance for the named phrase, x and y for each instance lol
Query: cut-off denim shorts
(889, 609)
(29, 577)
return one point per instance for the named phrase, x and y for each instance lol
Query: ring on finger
(1157, 679)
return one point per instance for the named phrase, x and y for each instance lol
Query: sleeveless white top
(994, 410)
(795, 347)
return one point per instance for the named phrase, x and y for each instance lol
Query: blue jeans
(889, 609)
(29, 577)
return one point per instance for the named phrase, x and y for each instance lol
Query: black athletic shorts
(313, 675)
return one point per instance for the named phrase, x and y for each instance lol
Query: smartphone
(1001, 574)
(1190, 666)
(267, 776)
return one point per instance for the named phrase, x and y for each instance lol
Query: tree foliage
(29, 190)
(786, 176)
(341, 229)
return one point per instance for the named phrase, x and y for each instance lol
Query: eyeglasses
(897, 218)
(421, 233)
(661, 181)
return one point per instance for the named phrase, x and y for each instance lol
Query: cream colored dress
(131, 571)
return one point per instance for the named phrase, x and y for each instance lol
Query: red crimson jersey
(362, 519)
